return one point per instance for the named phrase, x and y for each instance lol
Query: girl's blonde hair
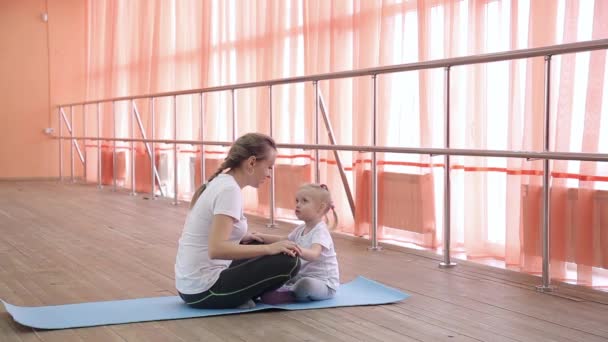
(251, 144)
(324, 196)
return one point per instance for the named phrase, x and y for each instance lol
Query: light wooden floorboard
(62, 243)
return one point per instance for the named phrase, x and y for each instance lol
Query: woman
(215, 266)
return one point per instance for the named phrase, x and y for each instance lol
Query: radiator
(405, 201)
(142, 168)
(578, 224)
(107, 166)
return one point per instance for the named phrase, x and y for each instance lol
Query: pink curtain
(141, 47)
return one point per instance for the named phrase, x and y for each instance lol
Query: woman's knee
(295, 266)
(286, 264)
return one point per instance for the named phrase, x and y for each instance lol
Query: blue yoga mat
(360, 291)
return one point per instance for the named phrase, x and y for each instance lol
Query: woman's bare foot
(249, 304)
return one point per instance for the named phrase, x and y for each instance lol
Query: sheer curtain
(141, 47)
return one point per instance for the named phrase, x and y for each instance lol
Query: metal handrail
(439, 63)
(582, 156)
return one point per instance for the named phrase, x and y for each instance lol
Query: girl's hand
(252, 237)
(286, 247)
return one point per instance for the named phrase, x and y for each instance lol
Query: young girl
(319, 277)
(212, 268)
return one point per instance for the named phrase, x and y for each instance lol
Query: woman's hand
(252, 237)
(286, 247)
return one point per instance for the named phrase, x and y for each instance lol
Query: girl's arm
(269, 238)
(312, 253)
(220, 247)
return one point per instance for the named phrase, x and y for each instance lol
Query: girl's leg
(307, 289)
(304, 290)
(246, 280)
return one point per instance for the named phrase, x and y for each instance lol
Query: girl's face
(261, 169)
(308, 205)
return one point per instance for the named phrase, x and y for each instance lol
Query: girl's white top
(325, 268)
(195, 272)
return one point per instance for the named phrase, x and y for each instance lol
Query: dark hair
(251, 144)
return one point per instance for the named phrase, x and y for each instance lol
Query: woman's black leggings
(244, 280)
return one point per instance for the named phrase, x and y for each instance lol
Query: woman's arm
(312, 253)
(269, 238)
(220, 247)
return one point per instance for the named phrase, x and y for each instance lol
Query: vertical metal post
(233, 115)
(447, 263)
(84, 142)
(317, 158)
(114, 146)
(152, 152)
(132, 124)
(60, 129)
(72, 144)
(374, 218)
(272, 223)
(98, 147)
(175, 192)
(202, 126)
(545, 233)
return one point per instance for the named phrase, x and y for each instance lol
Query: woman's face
(262, 169)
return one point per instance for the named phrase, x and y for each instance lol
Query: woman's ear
(251, 161)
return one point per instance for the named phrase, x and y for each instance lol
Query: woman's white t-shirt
(325, 268)
(195, 272)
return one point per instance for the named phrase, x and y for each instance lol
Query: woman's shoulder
(220, 189)
(224, 180)
(224, 183)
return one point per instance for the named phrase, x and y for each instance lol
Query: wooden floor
(73, 243)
